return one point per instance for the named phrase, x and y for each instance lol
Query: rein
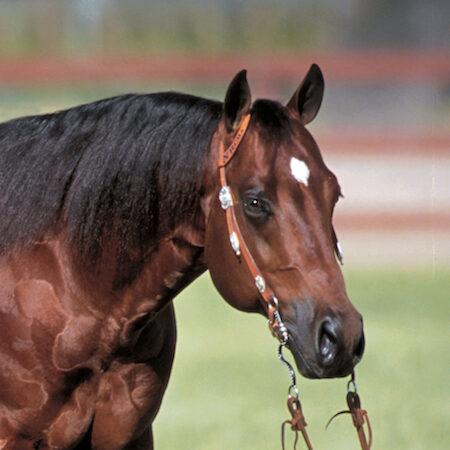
(270, 303)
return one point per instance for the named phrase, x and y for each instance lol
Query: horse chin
(304, 365)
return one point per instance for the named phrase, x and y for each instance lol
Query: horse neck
(172, 265)
(174, 259)
(143, 283)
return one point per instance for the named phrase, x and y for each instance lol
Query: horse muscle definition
(108, 210)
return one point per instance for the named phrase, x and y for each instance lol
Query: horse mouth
(310, 368)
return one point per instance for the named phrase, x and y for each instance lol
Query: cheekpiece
(225, 197)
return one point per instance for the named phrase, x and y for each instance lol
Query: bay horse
(109, 209)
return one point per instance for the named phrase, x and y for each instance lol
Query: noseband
(270, 303)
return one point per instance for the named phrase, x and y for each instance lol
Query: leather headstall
(237, 241)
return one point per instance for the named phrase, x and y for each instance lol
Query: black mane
(117, 164)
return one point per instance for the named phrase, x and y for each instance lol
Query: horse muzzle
(333, 348)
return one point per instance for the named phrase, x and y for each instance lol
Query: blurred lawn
(228, 389)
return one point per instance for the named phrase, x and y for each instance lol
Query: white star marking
(300, 171)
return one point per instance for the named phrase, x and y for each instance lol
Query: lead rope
(359, 415)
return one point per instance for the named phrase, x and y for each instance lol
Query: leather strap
(297, 423)
(226, 155)
(237, 241)
(359, 417)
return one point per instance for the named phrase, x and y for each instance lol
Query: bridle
(270, 304)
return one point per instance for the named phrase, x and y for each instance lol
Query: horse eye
(256, 207)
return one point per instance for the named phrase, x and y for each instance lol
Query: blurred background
(383, 129)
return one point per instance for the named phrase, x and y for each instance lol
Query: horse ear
(237, 101)
(308, 97)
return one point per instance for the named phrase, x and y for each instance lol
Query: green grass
(228, 389)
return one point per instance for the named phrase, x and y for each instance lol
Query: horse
(109, 209)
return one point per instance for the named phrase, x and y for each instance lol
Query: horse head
(283, 196)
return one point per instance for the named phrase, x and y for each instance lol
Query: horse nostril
(359, 349)
(327, 342)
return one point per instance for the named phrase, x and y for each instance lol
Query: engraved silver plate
(260, 283)
(235, 243)
(225, 197)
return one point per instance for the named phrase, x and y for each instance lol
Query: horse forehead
(258, 154)
(286, 155)
(299, 163)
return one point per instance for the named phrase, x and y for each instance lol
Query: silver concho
(260, 283)
(235, 243)
(225, 197)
